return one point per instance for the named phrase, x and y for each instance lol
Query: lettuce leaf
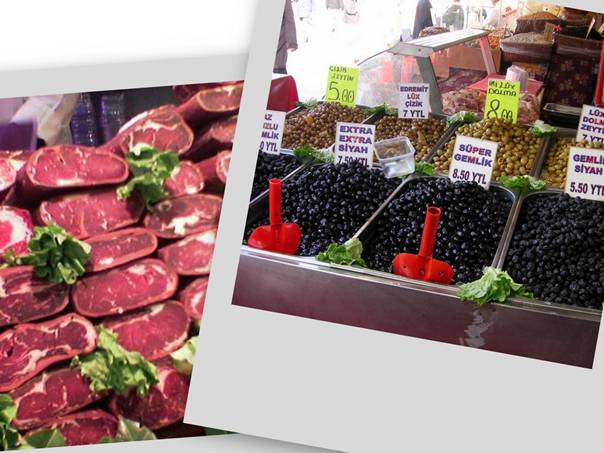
(542, 129)
(46, 439)
(310, 153)
(309, 104)
(10, 438)
(424, 168)
(384, 109)
(522, 184)
(150, 169)
(461, 118)
(183, 358)
(347, 254)
(55, 255)
(128, 431)
(495, 285)
(111, 367)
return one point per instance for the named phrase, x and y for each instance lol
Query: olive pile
(331, 202)
(317, 126)
(516, 153)
(554, 170)
(557, 250)
(423, 133)
(471, 225)
(270, 166)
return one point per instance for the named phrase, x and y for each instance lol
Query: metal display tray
(551, 141)
(386, 302)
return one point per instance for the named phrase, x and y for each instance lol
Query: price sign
(585, 173)
(272, 132)
(473, 160)
(591, 127)
(414, 101)
(503, 99)
(342, 85)
(354, 142)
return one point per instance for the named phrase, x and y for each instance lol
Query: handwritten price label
(272, 132)
(354, 142)
(414, 101)
(503, 99)
(591, 128)
(585, 173)
(473, 160)
(342, 85)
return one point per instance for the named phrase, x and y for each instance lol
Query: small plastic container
(396, 156)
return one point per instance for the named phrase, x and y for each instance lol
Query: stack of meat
(146, 277)
(474, 101)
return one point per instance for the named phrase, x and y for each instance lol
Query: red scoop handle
(274, 202)
(426, 247)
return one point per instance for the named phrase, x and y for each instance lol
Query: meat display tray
(303, 286)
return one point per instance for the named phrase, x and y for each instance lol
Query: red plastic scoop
(423, 266)
(278, 236)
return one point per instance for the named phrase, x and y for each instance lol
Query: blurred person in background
(335, 13)
(304, 10)
(453, 18)
(494, 15)
(423, 17)
(288, 41)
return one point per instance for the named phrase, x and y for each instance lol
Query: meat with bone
(179, 217)
(193, 297)
(212, 102)
(216, 136)
(50, 395)
(16, 229)
(119, 247)
(191, 255)
(162, 128)
(155, 331)
(125, 288)
(165, 403)
(82, 428)
(215, 170)
(23, 297)
(28, 349)
(86, 214)
(187, 179)
(71, 166)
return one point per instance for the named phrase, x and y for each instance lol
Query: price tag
(414, 101)
(503, 98)
(342, 85)
(585, 173)
(473, 160)
(591, 127)
(272, 132)
(354, 142)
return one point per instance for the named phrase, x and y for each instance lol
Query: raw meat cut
(164, 404)
(187, 179)
(155, 331)
(25, 298)
(83, 428)
(8, 176)
(125, 288)
(191, 255)
(215, 170)
(28, 349)
(193, 297)
(16, 229)
(85, 214)
(210, 103)
(69, 166)
(183, 93)
(179, 217)
(162, 128)
(50, 395)
(119, 247)
(212, 138)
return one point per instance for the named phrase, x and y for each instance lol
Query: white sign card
(585, 173)
(591, 126)
(473, 160)
(272, 132)
(414, 101)
(354, 142)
